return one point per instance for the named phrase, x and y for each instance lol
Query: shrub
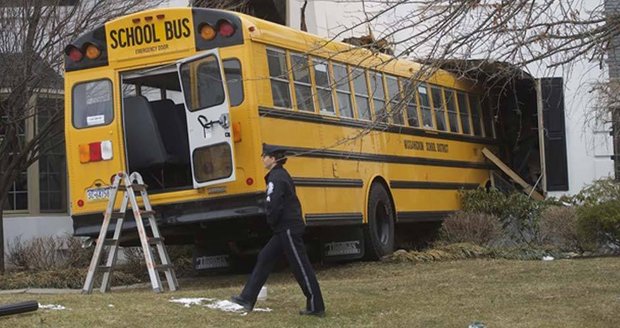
(600, 191)
(48, 253)
(558, 228)
(518, 214)
(599, 224)
(467, 227)
(180, 256)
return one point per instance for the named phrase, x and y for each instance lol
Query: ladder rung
(104, 268)
(147, 213)
(164, 267)
(154, 241)
(117, 215)
(134, 186)
(110, 241)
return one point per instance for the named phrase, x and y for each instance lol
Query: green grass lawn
(500, 293)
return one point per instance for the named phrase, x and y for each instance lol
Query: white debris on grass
(187, 302)
(51, 307)
(226, 306)
(548, 258)
(110, 305)
(222, 305)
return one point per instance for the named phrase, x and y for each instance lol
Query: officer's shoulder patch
(270, 188)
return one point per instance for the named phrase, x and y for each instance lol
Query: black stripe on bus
(322, 182)
(422, 216)
(396, 184)
(378, 126)
(333, 219)
(337, 154)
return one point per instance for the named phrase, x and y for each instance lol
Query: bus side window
(278, 74)
(343, 90)
(394, 99)
(425, 106)
(453, 120)
(487, 119)
(474, 105)
(440, 108)
(301, 82)
(378, 96)
(361, 94)
(92, 104)
(323, 86)
(234, 81)
(412, 107)
(464, 112)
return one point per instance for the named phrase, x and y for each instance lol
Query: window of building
(343, 90)
(323, 86)
(301, 82)
(453, 115)
(17, 198)
(42, 187)
(52, 162)
(361, 94)
(394, 99)
(278, 75)
(425, 106)
(378, 96)
(464, 112)
(440, 108)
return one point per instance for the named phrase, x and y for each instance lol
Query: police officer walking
(284, 218)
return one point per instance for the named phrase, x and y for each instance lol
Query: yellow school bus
(188, 96)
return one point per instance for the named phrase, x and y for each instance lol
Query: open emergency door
(208, 119)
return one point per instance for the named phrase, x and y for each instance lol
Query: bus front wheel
(379, 232)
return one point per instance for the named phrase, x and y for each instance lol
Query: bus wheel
(379, 232)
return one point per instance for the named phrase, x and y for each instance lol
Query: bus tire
(379, 232)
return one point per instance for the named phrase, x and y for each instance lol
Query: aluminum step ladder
(130, 185)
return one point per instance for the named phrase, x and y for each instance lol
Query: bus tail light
(225, 28)
(92, 52)
(207, 32)
(96, 151)
(74, 53)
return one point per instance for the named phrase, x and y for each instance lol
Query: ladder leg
(161, 249)
(164, 258)
(111, 261)
(94, 262)
(148, 255)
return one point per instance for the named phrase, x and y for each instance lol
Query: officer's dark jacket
(282, 205)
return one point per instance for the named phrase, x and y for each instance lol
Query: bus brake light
(74, 53)
(95, 151)
(225, 28)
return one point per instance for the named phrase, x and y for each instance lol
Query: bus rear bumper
(178, 214)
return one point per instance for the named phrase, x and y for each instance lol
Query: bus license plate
(98, 193)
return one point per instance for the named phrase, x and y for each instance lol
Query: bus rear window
(92, 104)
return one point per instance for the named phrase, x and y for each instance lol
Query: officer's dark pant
(289, 242)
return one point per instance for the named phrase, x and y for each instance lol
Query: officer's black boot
(240, 301)
(319, 314)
